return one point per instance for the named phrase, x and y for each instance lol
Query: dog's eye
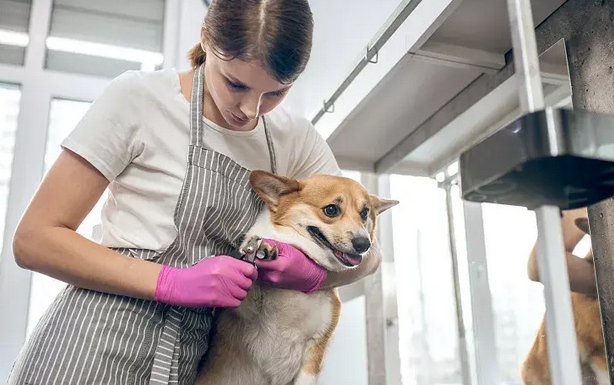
(364, 214)
(331, 210)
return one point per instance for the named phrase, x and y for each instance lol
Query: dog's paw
(267, 252)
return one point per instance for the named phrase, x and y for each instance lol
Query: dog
(279, 337)
(587, 318)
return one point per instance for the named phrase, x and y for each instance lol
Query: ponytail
(196, 56)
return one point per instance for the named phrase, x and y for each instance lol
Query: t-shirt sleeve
(107, 134)
(314, 156)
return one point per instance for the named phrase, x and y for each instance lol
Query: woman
(581, 271)
(138, 307)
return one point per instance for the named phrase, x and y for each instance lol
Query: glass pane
(63, 116)
(9, 110)
(426, 306)
(518, 303)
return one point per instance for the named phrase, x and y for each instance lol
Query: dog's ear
(271, 187)
(380, 205)
(582, 224)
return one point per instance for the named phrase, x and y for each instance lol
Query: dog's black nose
(361, 244)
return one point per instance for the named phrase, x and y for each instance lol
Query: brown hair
(278, 33)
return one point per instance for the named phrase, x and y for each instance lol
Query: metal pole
(487, 365)
(374, 310)
(462, 338)
(562, 347)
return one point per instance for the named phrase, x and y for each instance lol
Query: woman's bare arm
(46, 240)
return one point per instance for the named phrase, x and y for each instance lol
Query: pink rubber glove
(218, 281)
(291, 270)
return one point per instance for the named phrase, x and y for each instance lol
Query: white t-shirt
(137, 135)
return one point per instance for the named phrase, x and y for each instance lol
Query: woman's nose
(251, 106)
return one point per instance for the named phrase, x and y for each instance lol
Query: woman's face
(242, 91)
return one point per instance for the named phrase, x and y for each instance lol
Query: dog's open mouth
(345, 258)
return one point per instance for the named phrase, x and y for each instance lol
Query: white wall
(341, 32)
(346, 360)
(192, 14)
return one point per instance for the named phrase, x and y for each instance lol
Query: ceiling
(402, 124)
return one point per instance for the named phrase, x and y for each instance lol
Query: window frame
(38, 87)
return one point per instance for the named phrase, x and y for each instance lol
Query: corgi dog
(279, 337)
(589, 336)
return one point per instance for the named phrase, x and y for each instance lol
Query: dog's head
(334, 217)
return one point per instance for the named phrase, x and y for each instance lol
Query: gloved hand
(291, 270)
(219, 281)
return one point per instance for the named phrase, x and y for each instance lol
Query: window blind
(125, 23)
(15, 15)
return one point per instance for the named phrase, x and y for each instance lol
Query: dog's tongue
(353, 260)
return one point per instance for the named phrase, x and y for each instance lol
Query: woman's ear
(271, 187)
(203, 38)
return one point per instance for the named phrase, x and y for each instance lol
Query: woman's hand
(292, 269)
(218, 281)
(581, 270)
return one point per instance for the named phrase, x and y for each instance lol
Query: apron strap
(166, 357)
(197, 124)
(196, 109)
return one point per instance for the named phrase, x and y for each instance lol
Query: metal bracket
(370, 59)
(330, 109)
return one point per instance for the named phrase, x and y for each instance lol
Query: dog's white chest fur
(265, 340)
(277, 327)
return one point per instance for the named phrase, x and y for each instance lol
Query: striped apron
(88, 337)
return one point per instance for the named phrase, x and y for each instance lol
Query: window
(463, 271)
(9, 109)
(80, 40)
(426, 306)
(63, 116)
(14, 21)
(518, 303)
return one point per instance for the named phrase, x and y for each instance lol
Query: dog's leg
(314, 356)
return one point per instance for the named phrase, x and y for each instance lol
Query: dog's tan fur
(279, 337)
(587, 318)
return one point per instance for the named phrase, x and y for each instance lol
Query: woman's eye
(364, 214)
(234, 86)
(331, 210)
(277, 94)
